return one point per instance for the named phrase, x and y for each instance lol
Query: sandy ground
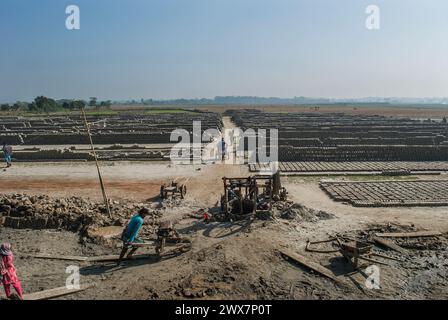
(123, 180)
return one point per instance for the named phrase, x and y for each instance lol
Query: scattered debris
(357, 250)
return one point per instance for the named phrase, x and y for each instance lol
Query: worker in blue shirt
(129, 235)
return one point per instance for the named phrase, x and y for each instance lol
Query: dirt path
(228, 123)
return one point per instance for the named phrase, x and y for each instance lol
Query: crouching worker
(129, 235)
(8, 271)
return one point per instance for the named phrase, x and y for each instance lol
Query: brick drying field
(389, 193)
(338, 137)
(117, 137)
(356, 166)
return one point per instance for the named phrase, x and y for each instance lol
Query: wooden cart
(174, 189)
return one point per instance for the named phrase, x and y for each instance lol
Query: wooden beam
(142, 244)
(384, 256)
(309, 264)
(103, 191)
(54, 293)
(58, 257)
(91, 259)
(389, 244)
(409, 234)
(116, 257)
(372, 260)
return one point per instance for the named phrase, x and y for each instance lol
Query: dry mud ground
(227, 260)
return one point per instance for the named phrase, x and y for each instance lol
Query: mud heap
(299, 212)
(21, 211)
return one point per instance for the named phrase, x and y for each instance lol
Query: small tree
(5, 107)
(78, 104)
(93, 101)
(19, 106)
(66, 105)
(105, 104)
(44, 104)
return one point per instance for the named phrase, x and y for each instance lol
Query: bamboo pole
(106, 202)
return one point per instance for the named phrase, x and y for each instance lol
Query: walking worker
(8, 271)
(129, 235)
(7, 152)
(223, 149)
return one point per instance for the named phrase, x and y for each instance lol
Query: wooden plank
(58, 257)
(54, 293)
(309, 264)
(142, 244)
(90, 259)
(409, 234)
(389, 244)
(372, 260)
(116, 257)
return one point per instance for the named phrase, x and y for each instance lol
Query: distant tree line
(43, 104)
(229, 100)
(302, 100)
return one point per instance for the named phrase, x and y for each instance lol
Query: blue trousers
(8, 159)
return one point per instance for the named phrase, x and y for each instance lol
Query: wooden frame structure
(243, 195)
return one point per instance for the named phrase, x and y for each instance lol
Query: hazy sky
(203, 48)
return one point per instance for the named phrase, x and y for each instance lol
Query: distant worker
(8, 272)
(7, 152)
(223, 149)
(129, 235)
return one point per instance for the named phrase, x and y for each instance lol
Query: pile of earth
(297, 211)
(21, 211)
